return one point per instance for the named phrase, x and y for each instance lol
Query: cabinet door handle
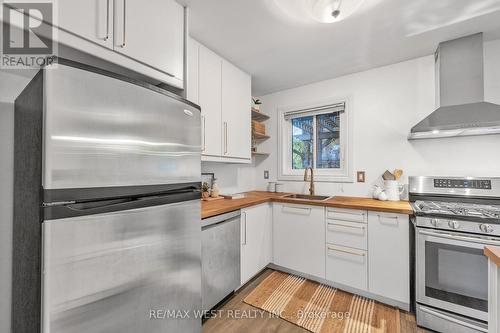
(103, 20)
(203, 143)
(394, 218)
(244, 229)
(107, 21)
(302, 210)
(359, 254)
(225, 138)
(124, 23)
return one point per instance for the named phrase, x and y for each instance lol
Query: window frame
(285, 171)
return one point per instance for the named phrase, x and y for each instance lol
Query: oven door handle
(453, 320)
(462, 238)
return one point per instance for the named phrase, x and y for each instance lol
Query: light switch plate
(266, 174)
(361, 177)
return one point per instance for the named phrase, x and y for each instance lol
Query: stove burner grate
(458, 209)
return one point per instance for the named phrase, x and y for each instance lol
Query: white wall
(387, 102)
(232, 178)
(11, 84)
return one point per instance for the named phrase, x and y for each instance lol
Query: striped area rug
(320, 308)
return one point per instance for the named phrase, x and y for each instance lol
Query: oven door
(452, 272)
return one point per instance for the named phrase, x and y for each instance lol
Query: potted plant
(205, 190)
(256, 104)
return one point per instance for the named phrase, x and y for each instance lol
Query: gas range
(455, 219)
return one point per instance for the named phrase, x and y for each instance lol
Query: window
(314, 137)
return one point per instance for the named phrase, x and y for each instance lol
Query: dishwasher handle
(219, 219)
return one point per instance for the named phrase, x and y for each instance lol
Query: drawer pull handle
(361, 254)
(348, 213)
(347, 226)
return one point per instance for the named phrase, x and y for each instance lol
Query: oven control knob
(486, 228)
(454, 224)
(434, 222)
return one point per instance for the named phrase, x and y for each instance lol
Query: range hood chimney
(461, 108)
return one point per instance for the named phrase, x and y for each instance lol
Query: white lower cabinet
(256, 240)
(347, 266)
(346, 245)
(299, 238)
(369, 251)
(365, 251)
(388, 248)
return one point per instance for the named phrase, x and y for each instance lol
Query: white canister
(393, 190)
(271, 187)
(376, 191)
(280, 187)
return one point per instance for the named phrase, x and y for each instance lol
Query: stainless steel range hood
(462, 109)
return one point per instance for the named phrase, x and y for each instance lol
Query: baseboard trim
(401, 305)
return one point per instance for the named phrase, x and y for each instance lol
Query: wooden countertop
(216, 207)
(493, 253)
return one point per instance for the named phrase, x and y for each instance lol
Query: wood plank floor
(231, 317)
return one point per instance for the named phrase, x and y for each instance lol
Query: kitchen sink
(307, 197)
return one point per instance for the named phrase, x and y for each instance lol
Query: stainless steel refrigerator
(106, 206)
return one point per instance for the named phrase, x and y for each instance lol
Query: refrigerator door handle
(119, 204)
(88, 206)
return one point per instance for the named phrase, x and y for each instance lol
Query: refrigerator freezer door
(130, 271)
(100, 131)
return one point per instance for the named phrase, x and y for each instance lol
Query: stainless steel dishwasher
(220, 256)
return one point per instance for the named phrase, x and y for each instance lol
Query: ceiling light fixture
(330, 11)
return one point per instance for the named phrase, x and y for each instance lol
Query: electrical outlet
(266, 174)
(361, 177)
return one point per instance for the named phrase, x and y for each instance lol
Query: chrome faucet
(311, 185)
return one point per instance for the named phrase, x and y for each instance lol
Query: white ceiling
(282, 49)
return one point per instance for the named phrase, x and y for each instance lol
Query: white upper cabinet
(236, 117)
(193, 71)
(92, 20)
(223, 92)
(145, 37)
(210, 101)
(151, 32)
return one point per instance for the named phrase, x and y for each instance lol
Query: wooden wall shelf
(257, 116)
(258, 136)
(258, 153)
